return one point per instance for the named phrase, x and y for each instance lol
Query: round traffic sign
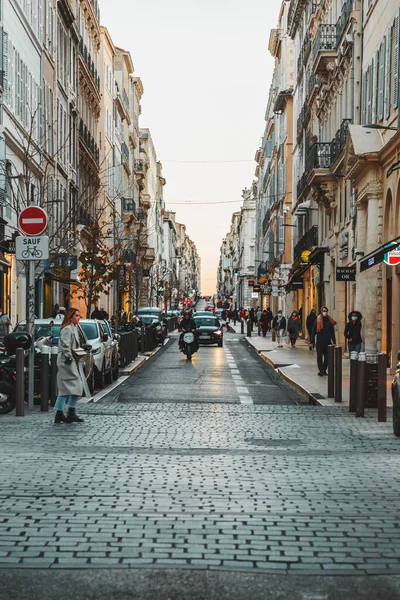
(392, 258)
(32, 220)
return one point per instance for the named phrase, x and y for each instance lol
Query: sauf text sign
(32, 247)
(345, 274)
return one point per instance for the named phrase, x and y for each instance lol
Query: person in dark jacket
(322, 336)
(294, 327)
(270, 316)
(279, 326)
(352, 331)
(310, 322)
(264, 323)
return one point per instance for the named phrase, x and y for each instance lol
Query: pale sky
(206, 72)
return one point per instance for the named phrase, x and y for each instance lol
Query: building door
(389, 319)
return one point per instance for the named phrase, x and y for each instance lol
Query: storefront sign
(256, 288)
(345, 273)
(392, 258)
(305, 256)
(250, 282)
(8, 246)
(297, 284)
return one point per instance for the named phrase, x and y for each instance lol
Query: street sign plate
(392, 258)
(32, 247)
(32, 220)
(345, 273)
(250, 282)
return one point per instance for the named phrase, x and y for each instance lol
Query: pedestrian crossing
(241, 388)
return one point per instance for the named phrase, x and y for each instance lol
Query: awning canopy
(376, 256)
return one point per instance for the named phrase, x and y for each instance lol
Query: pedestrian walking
(56, 310)
(264, 323)
(70, 375)
(322, 336)
(270, 317)
(279, 326)
(309, 324)
(5, 324)
(258, 314)
(352, 331)
(294, 328)
(242, 314)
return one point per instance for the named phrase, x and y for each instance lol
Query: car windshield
(206, 322)
(106, 327)
(91, 330)
(147, 319)
(42, 330)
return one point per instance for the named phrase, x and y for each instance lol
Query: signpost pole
(31, 331)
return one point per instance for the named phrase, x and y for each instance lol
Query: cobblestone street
(211, 466)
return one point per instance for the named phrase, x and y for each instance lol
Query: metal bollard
(361, 384)
(143, 340)
(44, 379)
(249, 324)
(382, 388)
(331, 371)
(20, 386)
(353, 381)
(338, 374)
(242, 326)
(273, 333)
(53, 375)
(259, 329)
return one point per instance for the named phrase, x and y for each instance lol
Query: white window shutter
(6, 85)
(396, 61)
(370, 86)
(382, 63)
(388, 73)
(375, 74)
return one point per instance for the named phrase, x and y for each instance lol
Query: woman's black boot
(73, 417)
(61, 418)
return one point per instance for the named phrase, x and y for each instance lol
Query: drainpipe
(361, 62)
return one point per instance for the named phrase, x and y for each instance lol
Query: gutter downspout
(359, 119)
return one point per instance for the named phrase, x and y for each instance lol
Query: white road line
(246, 400)
(242, 390)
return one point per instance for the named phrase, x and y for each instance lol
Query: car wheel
(101, 378)
(396, 409)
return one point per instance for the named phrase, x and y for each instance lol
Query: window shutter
(388, 73)
(382, 64)
(364, 99)
(375, 74)
(370, 86)
(396, 62)
(6, 86)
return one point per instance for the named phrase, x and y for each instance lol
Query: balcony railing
(343, 19)
(125, 152)
(265, 223)
(319, 156)
(139, 166)
(326, 39)
(89, 63)
(302, 184)
(309, 240)
(128, 205)
(313, 82)
(303, 119)
(339, 141)
(88, 140)
(304, 52)
(125, 98)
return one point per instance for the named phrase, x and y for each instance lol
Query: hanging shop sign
(345, 273)
(392, 258)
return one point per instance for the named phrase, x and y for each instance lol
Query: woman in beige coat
(70, 374)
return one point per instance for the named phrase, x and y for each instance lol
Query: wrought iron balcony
(128, 205)
(125, 152)
(344, 19)
(84, 52)
(302, 184)
(88, 140)
(325, 46)
(304, 53)
(308, 241)
(313, 83)
(319, 156)
(139, 166)
(265, 223)
(339, 141)
(125, 98)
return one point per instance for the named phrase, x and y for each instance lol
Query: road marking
(246, 400)
(242, 390)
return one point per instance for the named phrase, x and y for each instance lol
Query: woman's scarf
(320, 322)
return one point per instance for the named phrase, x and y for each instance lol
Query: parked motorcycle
(189, 344)
(8, 374)
(159, 332)
(396, 399)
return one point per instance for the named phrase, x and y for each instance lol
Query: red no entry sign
(32, 220)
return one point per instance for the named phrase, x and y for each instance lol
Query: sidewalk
(298, 366)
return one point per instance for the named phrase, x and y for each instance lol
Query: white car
(101, 349)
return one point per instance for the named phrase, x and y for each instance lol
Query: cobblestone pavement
(213, 465)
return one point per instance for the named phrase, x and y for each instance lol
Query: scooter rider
(187, 324)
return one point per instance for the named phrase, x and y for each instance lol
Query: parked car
(150, 310)
(209, 330)
(114, 337)
(47, 331)
(102, 350)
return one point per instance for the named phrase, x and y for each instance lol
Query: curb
(312, 400)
